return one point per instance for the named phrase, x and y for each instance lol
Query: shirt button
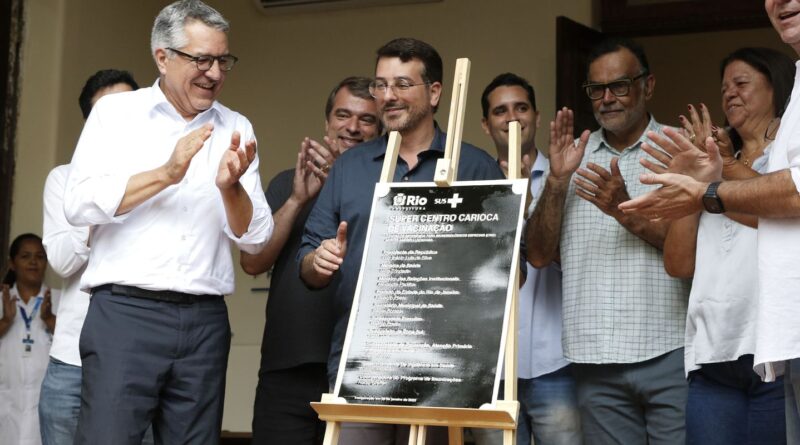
(183, 237)
(185, 209)
(405, 178)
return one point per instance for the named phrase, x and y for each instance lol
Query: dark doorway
(11, 24)
(573, 42)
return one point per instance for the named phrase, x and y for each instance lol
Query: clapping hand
(604, 189)
(679, 155)
(9, 306)
(47, 307)
(697, 128)
(306, 184)
(235, 161)
(565, 153)
(320, 157)
(184, 151)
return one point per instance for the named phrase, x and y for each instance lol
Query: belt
(170, 296)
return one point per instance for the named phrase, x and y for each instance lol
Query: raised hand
(606, 190)
(679, 196)
(235, 161)
(320, 157)
(697, 127)
(306, 184)
(9, 306)
(725, 145)
(565, 153)
(46, 311)
(679, 155)
(330, 254)
(184, 151)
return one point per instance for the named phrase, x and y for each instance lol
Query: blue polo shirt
(347, 196)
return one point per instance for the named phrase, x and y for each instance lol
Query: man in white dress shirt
(67, 253)
(160, 175)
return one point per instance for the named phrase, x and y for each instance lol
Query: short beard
(410, 121)
(633, 117)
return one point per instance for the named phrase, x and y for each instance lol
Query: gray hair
(168, 29)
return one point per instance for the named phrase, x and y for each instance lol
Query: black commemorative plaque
(433, 296)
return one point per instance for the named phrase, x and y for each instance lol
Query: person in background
(728, 402)
(299, 320)
(67, 251)
(27, 322)
(774, 198)
(624, 317)
(545, 386)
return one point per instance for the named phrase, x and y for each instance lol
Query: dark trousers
(634, 403)
(151, 361)
(282, 413)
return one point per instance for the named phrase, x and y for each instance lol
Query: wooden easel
(502, 414)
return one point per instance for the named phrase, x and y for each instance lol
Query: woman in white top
(728, 402)
(26, 330)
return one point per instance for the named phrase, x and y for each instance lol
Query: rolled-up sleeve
(66, 245)
(261, 224)
(95, 188)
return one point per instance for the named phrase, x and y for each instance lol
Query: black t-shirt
(299, 320)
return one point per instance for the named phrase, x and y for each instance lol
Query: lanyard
(25, 316)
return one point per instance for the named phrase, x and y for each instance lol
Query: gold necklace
(746, 160)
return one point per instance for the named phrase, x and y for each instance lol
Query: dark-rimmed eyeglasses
(618, 88)
(204, 63)
(379, 87)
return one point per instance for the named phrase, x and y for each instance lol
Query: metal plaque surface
(433, 296)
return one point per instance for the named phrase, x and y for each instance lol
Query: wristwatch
(711, 200)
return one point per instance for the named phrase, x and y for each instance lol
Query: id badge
(27, 347)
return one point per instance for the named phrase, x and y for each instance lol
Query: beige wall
(288, 63)
(687, 68)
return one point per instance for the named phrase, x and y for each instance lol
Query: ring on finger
(692, 137)
(325, 167)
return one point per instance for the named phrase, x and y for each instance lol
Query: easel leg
(456, 435)
(422, 432)
(332, 430)
(412, 435)
(509, 437)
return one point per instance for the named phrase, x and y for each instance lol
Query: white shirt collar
(158, 99)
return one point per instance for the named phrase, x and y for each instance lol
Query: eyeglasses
(204, 63)
(772, 129)
(379, 87)
(618, 88)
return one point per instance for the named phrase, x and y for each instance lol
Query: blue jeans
(60, 403)
(548, 411)
(792, 388)
(728, 403)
